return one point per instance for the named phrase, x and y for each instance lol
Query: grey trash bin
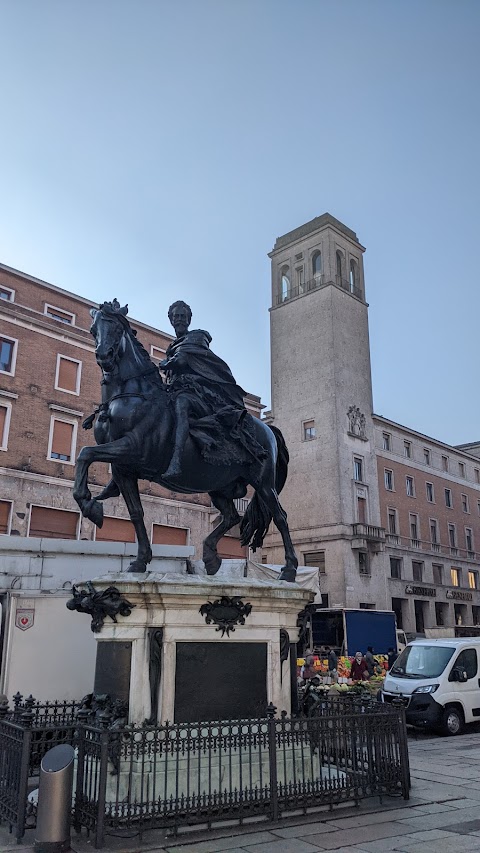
(55, 800)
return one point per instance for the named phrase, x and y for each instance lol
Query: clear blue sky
(154, 150)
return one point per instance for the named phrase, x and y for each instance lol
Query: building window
(366, 605)
(49, 523)
(5, 516)
(354, 282)
(465, 506)
(316, 559)
(414, 533)
(363, 565)
(445, 463)
(387, 441)
(59, 314)
(477, 475)
(448, 498)
(157, 353)
(62, 440)
(469, 541)
(429, 489)
(7, 293)
(5, 415)
(410, 485)
(417, 569)
(164, 534)
(309, 430)
(396, 568)
(67, 374)
(339, 266)
(433, 531)
(437, 574)
(300, 279)
(284, 284)
(8, 355)
(358, 469)
(452, 538)
(407, 449)
(392, 522)
(317, 265)
(455, 577)
(461, 469)
(115, 530)
(473, 580)
(426, 456)
(388, 474)
(440, 608)
(361, 510)
(476, 614)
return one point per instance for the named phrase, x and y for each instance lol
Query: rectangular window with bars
(392, 522)
(62, 440)
(407, 449)
(414, 533)
(448, 498)
(433, 531)
(461, 469)
(452, 536)
(426, 456)
(410, 486)
(387, 441)
(469, 540)
(445, 463)
(67, 377)
(429, 488)
(465, 506)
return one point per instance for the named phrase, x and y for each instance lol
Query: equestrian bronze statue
(190, 433)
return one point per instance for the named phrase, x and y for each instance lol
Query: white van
(439, 682)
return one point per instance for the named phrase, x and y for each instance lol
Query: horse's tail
(257, 518)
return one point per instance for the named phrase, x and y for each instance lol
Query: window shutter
(3, 418)
(116, 530)
(231, 549)
(4, 515)
(67, 374)
(49, 523)
(165, 535)
(62, 438)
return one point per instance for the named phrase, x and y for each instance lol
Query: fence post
(272, 761)
(82, 717)
(26, 721)
(104, 720)
(403, 744)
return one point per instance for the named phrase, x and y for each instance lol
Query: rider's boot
(175, 468)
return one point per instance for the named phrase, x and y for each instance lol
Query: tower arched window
(339, 267)
(284, 284)
(317, 265)
(353, 277)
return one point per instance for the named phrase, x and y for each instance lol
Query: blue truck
(349, 630)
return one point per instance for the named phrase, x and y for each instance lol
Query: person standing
(370, 661)
(332, 662)
(392, 656)
(359, 670)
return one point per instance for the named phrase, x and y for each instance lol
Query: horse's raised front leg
(112, 451)
(269, 495)
(230, 517)
(129, 489)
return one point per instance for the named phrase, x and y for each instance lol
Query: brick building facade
(49, 382)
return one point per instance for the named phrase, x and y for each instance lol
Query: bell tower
(322, 402)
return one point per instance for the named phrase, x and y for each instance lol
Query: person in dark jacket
(370, 661)
(332, 662)
(392, 656)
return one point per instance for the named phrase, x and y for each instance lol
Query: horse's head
(108, 327)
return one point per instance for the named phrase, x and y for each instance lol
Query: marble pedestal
(174, 666)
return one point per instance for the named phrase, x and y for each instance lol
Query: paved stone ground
(442, 815)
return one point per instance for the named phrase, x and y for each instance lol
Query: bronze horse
(134, 431)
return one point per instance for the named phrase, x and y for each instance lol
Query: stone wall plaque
(112, 669)
(220, 681)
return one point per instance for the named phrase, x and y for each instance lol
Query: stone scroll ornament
(226, 612)
(108, 602)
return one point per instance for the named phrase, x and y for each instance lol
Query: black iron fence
(172, 775)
